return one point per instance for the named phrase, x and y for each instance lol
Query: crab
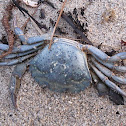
(62, 68)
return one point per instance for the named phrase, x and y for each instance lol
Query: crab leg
(101, 55)
(31, 40)
(4, 47)
(118, 57)
(95, 52)
(15, 81)
(112, 65)
(22, 48)
(19, 33)
(16, 55)
(107, 81)
(16, 61)
(109, 73)
(35, 39)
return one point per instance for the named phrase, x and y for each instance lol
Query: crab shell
(62, 68)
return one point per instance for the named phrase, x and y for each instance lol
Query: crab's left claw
(15, 81)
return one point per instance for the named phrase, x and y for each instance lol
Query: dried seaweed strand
(24, 25)
(123, 42)
(61, 11)
(23, 10)
(68, 20)
(10, 34)
(35, 25)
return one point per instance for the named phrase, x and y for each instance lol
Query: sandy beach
(42, 107)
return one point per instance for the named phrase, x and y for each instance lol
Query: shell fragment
(30, 3)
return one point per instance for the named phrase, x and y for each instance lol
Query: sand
(42, 107)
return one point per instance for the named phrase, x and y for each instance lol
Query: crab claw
(15, 82)
(30, 3)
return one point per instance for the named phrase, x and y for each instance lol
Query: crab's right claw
(15, 81)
